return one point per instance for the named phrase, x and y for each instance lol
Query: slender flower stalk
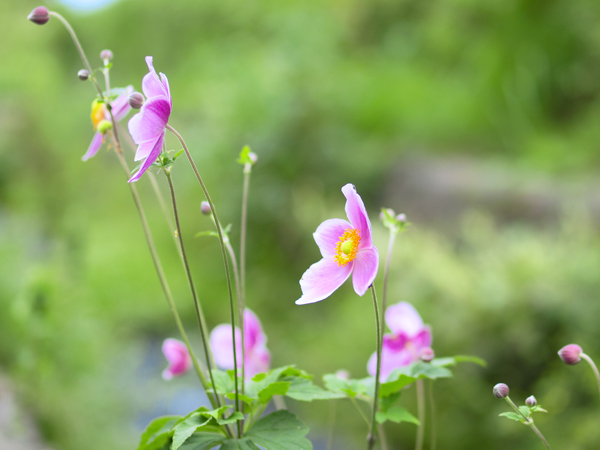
(242, 296)
(432, 440)
(528, 422)
(371, 437)
(593, 366)
(382, 437)
(188, 272)
(225, 262)
(421, 409)
(332, 414)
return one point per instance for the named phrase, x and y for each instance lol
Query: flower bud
(104, 126)
(401, 218)
(343, 374)
(136, 100)
(382, 214)
(531, 401)
(83, 74)
(205, 208)
(39, 15)
(570, 354)
(106, 55)
(427, 354)
(501, 390)
(253, 157)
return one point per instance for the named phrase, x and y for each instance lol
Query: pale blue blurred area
(86, 5)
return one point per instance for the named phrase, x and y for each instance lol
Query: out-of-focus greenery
(326, 92)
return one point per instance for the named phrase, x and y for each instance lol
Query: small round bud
(570, 354)
(39, 15)
(401, 218)
(531, 401)
(382, 214)
(343, 374)
(83, 74)
(104, 126)
(136, 100)
(106, 55)
(501, 390)
(253, 157)
(427, 354)
(205, 208)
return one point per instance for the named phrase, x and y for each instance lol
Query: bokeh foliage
(326, 92)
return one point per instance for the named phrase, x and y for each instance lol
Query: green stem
(528, 421)
(242, 297)
(225, 262)
(330, 435)
(199, 315)
(236, 278)
(382, 437)
(362, 414)
(593, 366)
(432, 415)
(371, 437)
(421, 409)
(539, 434)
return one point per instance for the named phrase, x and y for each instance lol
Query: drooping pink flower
(346, 248)
(147, 128)
(120, 108)
(256, 355)
(405, 344)
(178, 357)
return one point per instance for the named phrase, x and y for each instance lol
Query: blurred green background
(479, 120)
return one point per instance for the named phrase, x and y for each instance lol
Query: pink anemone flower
(257, 357)
(405, 344)
(147, 128)
(120, 108)
(178, 357)
(346, 248)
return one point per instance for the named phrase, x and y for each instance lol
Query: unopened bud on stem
(401, 218)
(501, 390)
(570, 354)
(531, 401)
(427, 354)
(136, 100)
(39, 15)
(83, 74)
(205, 208)
(253, 157)
(106, 56)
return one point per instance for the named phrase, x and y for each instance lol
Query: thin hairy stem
(242, 297)
(371, 437)
(236, 277)
(593, 366)
(528, 421)
(188, 272)
(539, 434)
(386, 271)
(225, 262)
(432, 440)
(421, 413)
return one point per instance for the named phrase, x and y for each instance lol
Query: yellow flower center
(346, 248)
(98, 113)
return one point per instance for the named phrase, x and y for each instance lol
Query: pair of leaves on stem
(525, 410)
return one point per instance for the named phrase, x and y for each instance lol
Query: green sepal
(244, 158)
(388, 217)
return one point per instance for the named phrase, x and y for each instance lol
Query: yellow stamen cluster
(346, 248)
(98, 113)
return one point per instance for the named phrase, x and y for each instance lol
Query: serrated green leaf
(512, 416)
(157, 432)
(215, 413)
(538, 408)
(305, 390)
(426, 370)
(233, 418)
(396, 414)
(277, 388)
(223, 382)
(242, 397)
(525, 410)
(386, 403)
(186, 428)
(392, 385)
(280, 430)
(203, 441)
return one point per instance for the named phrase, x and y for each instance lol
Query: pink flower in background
(178, 357)
(346, 248)
(257, 357)
(409, 338)
(120, 108)
(147, 128)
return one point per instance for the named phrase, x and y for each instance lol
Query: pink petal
(221, 344)
(357, 213)
(257, 361)
(322, 279)
(165, 83)
(120, 105)
(253, 332)
(150, 159)
(328, 235)
(404, 318)
(178, 357)
(144, 149)
(151, 120)
(366, 264)
(395, 342)
(423, 339)
(151, 84)
(390, 360)
(94, 147)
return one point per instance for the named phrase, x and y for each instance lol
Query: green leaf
(538, 408)
(306, 391)
(277, 388)
(157, 432)
(513, 416)
(186, 428)
(396, 414)
(386, 403)
(392, 385)
(215, 413)
(203, 441)
(245, 156)
(453, 360)
(525, 410)
(242, 397)
(233, 418)
(177, 155)
(207, 233)
(223, 382)
(426, 370)
(350, 388)
(280, 430)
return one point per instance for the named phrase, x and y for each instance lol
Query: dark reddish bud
(136, 100)
(531, 401)
(205, 208)
(427, 354)
(570, 354)
(39, 15)
(501, 390)
(83, 74)
(106, 55)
